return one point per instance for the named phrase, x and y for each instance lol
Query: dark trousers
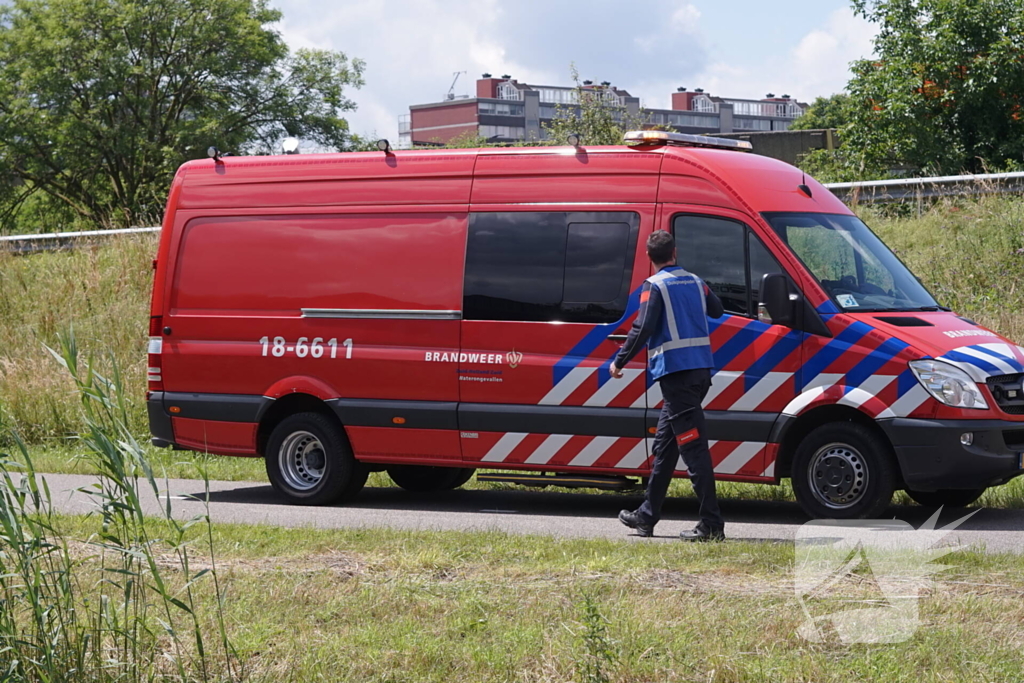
(681, 432)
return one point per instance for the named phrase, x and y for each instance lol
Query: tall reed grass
(110, 607)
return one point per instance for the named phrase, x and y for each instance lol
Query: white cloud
(412, 48)
(818, 65)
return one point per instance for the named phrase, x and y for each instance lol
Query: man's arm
(714, 304)
(643, 327)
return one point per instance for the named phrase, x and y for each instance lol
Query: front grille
(1008, 391)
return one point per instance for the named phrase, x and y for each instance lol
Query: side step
(571, 481)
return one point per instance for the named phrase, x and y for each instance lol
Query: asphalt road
(576, 515)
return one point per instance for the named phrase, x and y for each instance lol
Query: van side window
(548, 266)
(728, 256)
(713, 249)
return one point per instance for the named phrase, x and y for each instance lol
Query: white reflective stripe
(593, 450)
(823, 380)
(636, 457)
(504, 446)
(805, 399)
(769, 471)
(989, 358)
(651, 399)
(566, 386)
(719, 383)
(875, 384)
(854, 398)
(548, 448)
(673, 330)
(910, 401)
(613, 388)
(764, 388)
(679, 344)
(739, 457)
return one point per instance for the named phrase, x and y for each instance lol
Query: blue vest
(682, 340)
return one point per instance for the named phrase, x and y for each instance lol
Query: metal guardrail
(918, 189)
(29, 244)
(867, 192)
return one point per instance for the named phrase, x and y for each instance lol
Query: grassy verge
(380, 605)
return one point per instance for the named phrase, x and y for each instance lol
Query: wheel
(843, 470)
(955, 498)
(309, 461)
(465, 475)
(423, 479)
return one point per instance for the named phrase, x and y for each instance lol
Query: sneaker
(701, 534)
(632, 520)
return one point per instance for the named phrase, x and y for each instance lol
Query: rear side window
(549, 266)
(728, 256)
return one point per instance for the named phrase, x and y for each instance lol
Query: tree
(945, 92)
(825, 112)
(597, 118)
(101, 100)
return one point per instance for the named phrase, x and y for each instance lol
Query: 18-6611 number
(277, 347)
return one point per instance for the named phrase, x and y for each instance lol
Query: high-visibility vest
(682, 341)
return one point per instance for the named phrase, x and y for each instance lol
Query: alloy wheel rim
(838, 476)
(302, 460)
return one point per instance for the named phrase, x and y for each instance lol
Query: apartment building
(505, 110)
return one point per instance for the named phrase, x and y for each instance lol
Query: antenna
(451, 90)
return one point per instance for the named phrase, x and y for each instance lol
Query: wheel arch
(791, 430)
(287, 405)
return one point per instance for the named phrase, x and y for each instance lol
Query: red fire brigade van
(432, 313)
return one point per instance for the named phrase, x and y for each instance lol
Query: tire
(309, 461)
(844, 470)
(466, 474)
(424, 479)
(954, 498)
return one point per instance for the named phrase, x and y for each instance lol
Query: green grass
(385, 605)
(970, 255)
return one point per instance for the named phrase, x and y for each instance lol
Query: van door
(549, 296)
(757, 365)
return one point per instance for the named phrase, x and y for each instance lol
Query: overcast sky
(733, 48)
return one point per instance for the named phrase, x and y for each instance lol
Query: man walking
(674, 308)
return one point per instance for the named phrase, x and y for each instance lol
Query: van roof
(751, 182)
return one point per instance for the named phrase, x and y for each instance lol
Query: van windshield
(854, 267)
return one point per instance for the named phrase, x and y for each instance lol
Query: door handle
(618, 337)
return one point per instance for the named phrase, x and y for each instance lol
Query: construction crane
(451, 90)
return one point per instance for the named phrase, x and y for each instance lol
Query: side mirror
(777, 305)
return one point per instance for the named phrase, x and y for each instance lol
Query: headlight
(948, 384)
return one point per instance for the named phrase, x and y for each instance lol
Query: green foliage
(825, 112)
(597, 118)
(945, 93)
(110, 608)
(840, 165)
(598, 649)
(101, 100)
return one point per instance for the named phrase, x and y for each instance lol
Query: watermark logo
(867, 576)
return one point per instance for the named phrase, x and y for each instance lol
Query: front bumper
(932, 457)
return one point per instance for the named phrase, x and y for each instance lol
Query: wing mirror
(778, 302)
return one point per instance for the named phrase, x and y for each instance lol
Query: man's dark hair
(660, 246)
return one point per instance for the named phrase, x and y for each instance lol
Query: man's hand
(615, 370)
